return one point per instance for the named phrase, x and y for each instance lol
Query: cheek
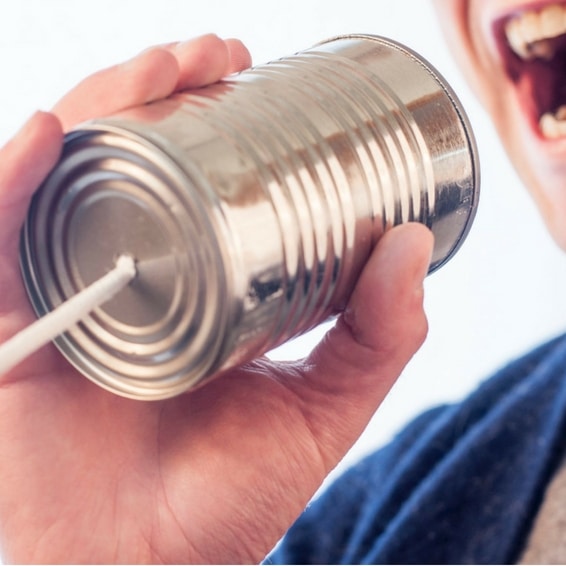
(543, 175)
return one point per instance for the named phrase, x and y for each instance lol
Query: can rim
(107, 362)
(458, 107)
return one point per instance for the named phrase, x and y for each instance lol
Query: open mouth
(533, 45)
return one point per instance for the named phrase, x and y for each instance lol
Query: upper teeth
(526, 33)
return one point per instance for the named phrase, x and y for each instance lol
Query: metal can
(250, 207)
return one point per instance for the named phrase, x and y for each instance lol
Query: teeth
(554, 125)
(529, 35)
(527, 32)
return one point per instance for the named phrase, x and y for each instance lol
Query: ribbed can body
(250, 207)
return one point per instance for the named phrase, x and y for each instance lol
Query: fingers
(239, 56)
(154, 74)
(24, 163)
(353, 368)
(205, 60)
(149, 76)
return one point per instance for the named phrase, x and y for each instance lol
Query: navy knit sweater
(461, 484)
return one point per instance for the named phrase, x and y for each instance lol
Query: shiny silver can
(250, 207)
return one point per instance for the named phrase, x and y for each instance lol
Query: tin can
(250, 207)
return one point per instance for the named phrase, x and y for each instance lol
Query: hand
(216, 475)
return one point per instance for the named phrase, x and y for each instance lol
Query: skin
(216, 475)
(541, 163)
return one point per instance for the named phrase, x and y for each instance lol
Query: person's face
(513, 53)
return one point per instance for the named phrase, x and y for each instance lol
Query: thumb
(24, 162)
(353, 368)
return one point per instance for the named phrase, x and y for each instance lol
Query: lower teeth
(553, 125)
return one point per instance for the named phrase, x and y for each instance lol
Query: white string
(66, 315)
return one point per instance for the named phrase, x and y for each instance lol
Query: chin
(549, 195)
(557, 231)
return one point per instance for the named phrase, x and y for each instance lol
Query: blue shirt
(461, 484)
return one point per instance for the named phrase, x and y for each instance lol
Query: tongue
(540, 86)
(541, 80)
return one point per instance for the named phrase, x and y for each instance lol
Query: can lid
(113, 193)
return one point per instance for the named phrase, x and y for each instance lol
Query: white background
(502, 293)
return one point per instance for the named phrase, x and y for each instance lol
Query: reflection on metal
(250, 207)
